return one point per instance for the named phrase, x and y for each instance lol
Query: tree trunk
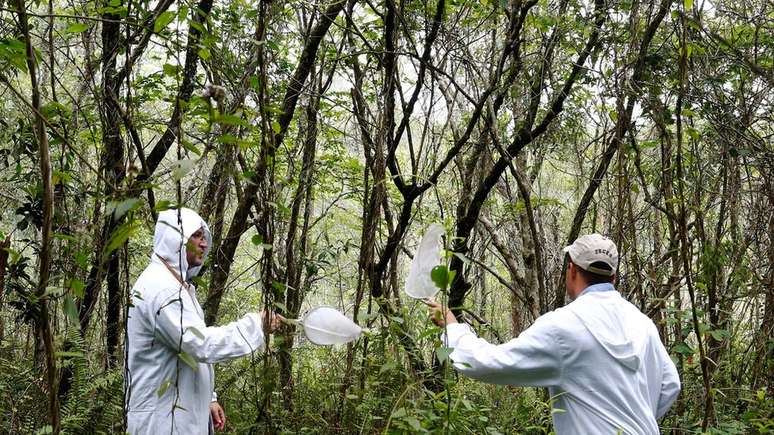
(763, 367)
(4, 245)
(43, 331)
(295, 247)
(685, 245)
(113, 165)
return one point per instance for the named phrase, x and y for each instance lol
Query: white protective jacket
(601, 358)
(164, 394)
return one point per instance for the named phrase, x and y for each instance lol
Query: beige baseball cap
(593, 248)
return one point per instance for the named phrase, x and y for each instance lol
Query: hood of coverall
(173, 229)
(607, 322)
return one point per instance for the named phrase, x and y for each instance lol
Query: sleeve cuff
(454, 332)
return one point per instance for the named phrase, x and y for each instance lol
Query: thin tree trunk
(367, 239)
(113, 162)
(4, 245)
(684, 242)
(295, 247)
(42, 324)
(763, 367)
(113, 167)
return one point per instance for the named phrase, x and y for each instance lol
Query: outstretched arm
(531, 359)
(178, 324)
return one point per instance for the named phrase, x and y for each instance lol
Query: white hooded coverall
(600, 357)
(164, 394)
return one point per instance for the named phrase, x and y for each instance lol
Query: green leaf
(443, 353)
(414, 423)
(163, 21)
(440, 276)
(121, 235)
(276, 127)
(66, 237)
(70, 310)
(204, 53)
(688, 4)
(82, 260)
(77, 28)
(188, 359)
(170, 70)
(387, 367)
(719, 334)
(232, 120)
(675, 14)
(228, 139)
(258, 241)
(684, 349)
(462, 257)
(196, 332)
(163, 205)
(198, 26)
(400, 412)
(113, 9)
(14, 51)
(77, 287)
(190, 147)
(164, 387)
(397, 319)
(182, 14)
(119, 209)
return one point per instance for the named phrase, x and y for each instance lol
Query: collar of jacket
(603, 287)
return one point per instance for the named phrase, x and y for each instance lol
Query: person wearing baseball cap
(600, 357)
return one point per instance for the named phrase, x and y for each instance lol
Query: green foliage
(20, 395)
(12, 52)
(95, 398)
(442, 276)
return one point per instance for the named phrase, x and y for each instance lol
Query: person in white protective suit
(169, 376)
(600, 357)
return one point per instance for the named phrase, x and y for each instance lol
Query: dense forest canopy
(321, 139)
